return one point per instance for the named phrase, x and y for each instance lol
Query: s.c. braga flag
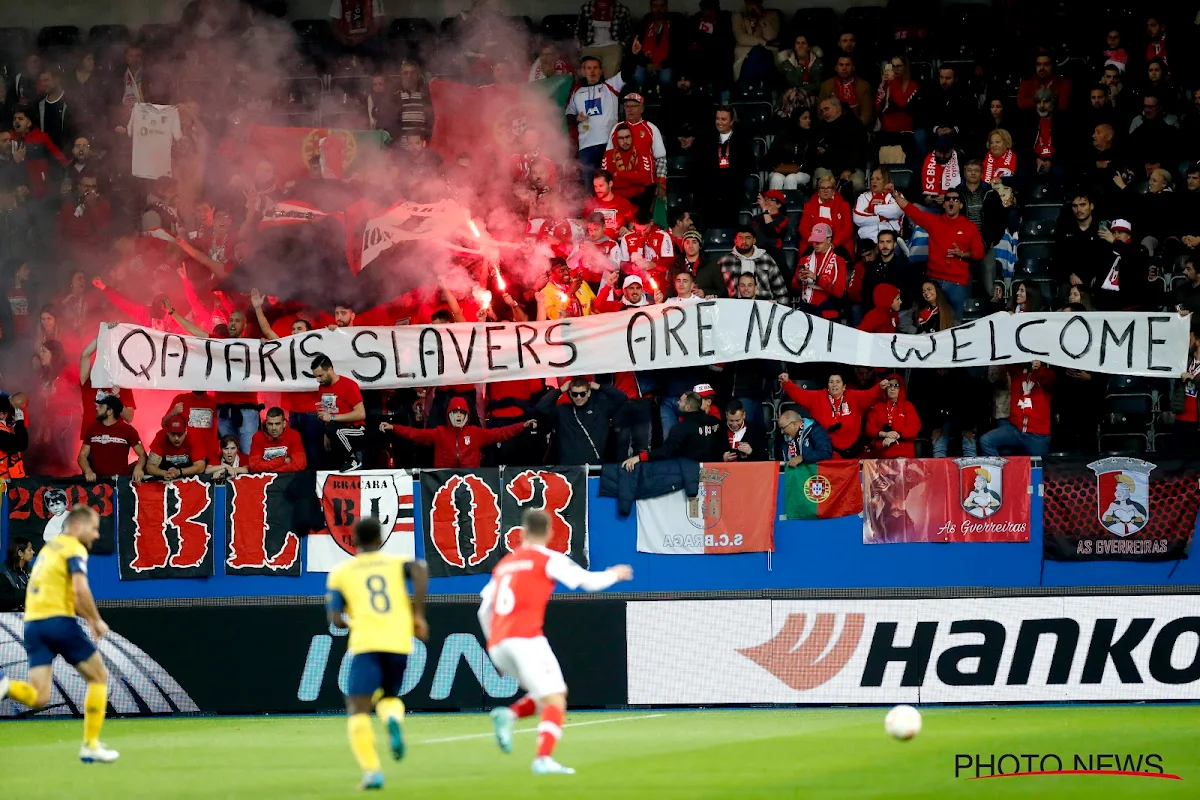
(734, 512)
(1120, 509)
(346, 498)
(823, 490)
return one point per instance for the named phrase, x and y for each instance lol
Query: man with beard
(1043, 143)
(81, 158)
(1044, 79)
(106, 446)
(886, 265)
(342, 411)
(1130, 282)
(696, 436)
(647, 140)
(839, 145)
(851, 91)
(746, 258)
(688, 260)
(172, 453)
(84, 220)
(632, 294)
(35, 150)
(616, 210)
(457, 445)
(632, 171)
(948, 109)
(277, 448)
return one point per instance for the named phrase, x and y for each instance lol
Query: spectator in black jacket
(1079, 252)
(686, 106)
(1186, 296)
(1154, 141)
(947, 109)
(772, 227)
(723, 164)
(581, 427)
(696, 436)
(708, 44)
(745, 439)
(14, 574)
(840, 144)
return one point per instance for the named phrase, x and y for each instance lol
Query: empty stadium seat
(311, 31)
(108, 35)
(1042, 212)
(1127, 384)
(1038, 230)
(1043, 251)
(58, 37)
(719, 238)
(1123, 444)
(974, 308)
(753, 116)
(1043, 192)
(156, 35)
(902, 178)
(1030, 267)
(559, 27)
(796, 198)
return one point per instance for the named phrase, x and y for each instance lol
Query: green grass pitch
(825, 753)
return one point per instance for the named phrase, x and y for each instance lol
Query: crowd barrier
(820, 555)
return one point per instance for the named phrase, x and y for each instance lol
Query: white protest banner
(408, 221)
(649, 338)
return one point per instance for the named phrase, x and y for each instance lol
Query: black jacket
(739, 149)
(952, 108)
(1081, 252)
(581, 433)
(650, 479)
(755, 436)
(899, 272)
(1136, 292)
(696, 436)
(12, 588)
(839, 145)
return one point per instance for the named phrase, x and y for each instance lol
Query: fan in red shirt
(646, 250)
(830, 208)
(456, 444)
(277, 448)
(342, 411)
(106, 446)
(199, 411)
(617, 211)
(821, 276)
(174, 454)
(92, 395)
(1027, 429)
(632, 171)
(837, 409)
(892, 424)
(512, 615)
(35, 149)
(954, 242)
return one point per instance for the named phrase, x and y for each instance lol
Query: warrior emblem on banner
(704, 510)
(1122, 494)
(981, 482)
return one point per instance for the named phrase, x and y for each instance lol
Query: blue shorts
(61, 636)
(371, 671)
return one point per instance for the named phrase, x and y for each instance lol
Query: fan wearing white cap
(632, 294)
(1131, 283)
(707, 396)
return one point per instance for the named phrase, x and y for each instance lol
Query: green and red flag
(823, 490)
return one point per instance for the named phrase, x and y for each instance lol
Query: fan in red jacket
(821, 277)
(1027, 429)
(892, 423)
(277, 448)
(954, 241)
(632, 172)
(837, 409)
(831, 208)
(885, 316)
(457, 445)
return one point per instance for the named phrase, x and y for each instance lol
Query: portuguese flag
(823, 490)
(292, 149)
(490, 121)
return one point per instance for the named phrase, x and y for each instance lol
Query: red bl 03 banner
(945, 500)
(473, 517)
(37, 508)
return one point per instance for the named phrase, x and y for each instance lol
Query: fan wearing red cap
(772, 226)
(457, 445)
(175, 454)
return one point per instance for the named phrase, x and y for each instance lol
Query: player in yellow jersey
(58, 588)
(368, 595)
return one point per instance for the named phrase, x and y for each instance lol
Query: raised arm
(213, 266)
(569, 574)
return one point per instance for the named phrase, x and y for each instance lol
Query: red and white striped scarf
(992, 165)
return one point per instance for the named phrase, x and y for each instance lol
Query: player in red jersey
(513, 608)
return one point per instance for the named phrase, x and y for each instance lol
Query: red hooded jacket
(842, 420)
(457, 448)
(881, 318)
(897, 415)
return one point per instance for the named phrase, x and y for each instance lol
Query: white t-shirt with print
(600, 104)
(153, 129)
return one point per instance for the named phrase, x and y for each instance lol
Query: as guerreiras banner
(1119, 509)
(667, 335)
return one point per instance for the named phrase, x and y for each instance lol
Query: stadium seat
(1030, 267)
(974, 308)
(560, 27)
(156, 35)
(58, 37)
(1042, 212)
(1043, 251)
(1164, 442)
(796, 198)
(820, 23)
(1044, 192)
(719, 239)
(1122, 444)
(757, 92)
(1038, 230)
(1127, 384)
(103, 35)
(523, 22)
(902, 178)
(15, 43)
(1128, 413)
(791, 257)
(753, 116)
(311, 31)
(760, 148)
(677, 164)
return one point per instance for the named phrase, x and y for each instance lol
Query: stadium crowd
(904, 169)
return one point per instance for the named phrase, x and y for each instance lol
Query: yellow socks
(94, 706)
(22, 692)
(390, 708)
(362, 742)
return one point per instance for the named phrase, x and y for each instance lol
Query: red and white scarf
(845, 92)
(819, 266)
(939, 178)
(992, 166)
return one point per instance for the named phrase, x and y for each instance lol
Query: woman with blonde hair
(1001, 159)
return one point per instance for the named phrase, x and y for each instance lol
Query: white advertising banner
(653, 337)
(965, 650)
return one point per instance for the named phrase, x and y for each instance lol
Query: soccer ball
(902, 722)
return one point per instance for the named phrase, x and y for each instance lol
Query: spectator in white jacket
(876, 210)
